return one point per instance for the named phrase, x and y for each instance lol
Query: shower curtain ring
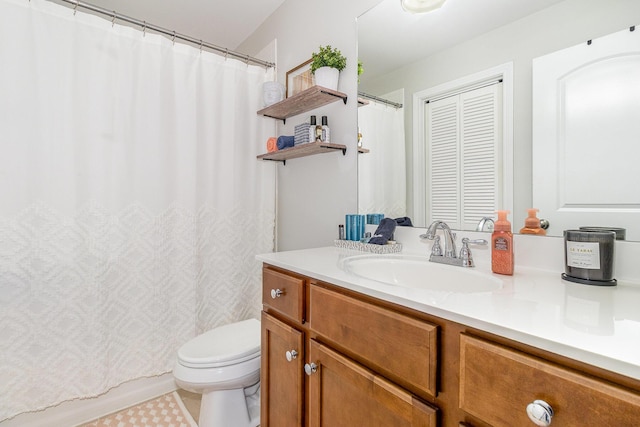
(144, 28)
(226, 53)
(75, 7)
(200, 45)
(113, 19)
(173, 39)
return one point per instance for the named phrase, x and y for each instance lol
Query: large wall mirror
(404, 54)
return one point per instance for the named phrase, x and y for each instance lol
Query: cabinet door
(400, 347)
(344, 393)
(281, 374)
(497, 384)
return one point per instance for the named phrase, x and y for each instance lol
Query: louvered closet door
(464, 160)
(443, 176)
(480, 154)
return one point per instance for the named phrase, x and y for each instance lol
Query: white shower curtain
(131, 201)
(382, 171)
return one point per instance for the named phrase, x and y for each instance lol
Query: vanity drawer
(497, 384)
(284, 293)
(402, 348)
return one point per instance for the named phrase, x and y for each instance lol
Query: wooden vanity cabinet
(283, 349)
(375, 363)
(358, 371)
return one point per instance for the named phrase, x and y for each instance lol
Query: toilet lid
(222, 346)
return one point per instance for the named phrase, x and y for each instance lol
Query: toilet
(223, 365)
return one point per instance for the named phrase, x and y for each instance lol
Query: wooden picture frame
(299, 78)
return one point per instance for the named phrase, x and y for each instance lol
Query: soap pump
(532, 224)
(502, 245)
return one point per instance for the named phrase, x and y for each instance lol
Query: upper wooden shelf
(307, 100)
(303, 150)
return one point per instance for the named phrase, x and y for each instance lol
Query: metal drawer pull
(310, 368)
(291, 354)
(276, 293)
(540, 412)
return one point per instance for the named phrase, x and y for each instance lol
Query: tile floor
(163, 411)
(191, 402)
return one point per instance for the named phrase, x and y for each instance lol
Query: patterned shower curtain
(131, 201)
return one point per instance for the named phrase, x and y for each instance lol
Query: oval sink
(418, 272)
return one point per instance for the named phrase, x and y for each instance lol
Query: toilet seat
(222, 346)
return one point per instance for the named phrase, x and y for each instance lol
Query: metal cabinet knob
(310, 368)
(540, 412)
(291, 354)
(276, 293)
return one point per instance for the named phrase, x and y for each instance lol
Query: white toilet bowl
(223, 365)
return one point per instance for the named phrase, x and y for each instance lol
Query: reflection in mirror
(419, 52)
(381, 158)
(586, 112)
(462, 145)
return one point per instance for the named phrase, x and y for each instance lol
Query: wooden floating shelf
(309, 99)
(303, 150)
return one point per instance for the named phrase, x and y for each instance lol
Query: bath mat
(163, 411)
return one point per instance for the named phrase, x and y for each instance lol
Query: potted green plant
(326, 65)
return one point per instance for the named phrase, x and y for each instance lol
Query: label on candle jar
(583, 255)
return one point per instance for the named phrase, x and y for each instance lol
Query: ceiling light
(421, 6)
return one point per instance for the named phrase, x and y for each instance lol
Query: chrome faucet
(449, 256)
(483, 222)
(449, 237)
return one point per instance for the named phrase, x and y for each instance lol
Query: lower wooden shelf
(303, 150)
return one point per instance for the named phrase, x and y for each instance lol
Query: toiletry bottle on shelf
(502, 245)
(532, 224)
(312, 129)
(318, 134)
(326, 133)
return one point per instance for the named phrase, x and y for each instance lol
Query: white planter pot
(327, 77)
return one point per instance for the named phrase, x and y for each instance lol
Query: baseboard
(79, 411)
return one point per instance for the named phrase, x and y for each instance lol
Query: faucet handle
(466, 241)
(465, 252)
(436, 249)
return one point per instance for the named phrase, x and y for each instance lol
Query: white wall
(314, 193)
(563, 25)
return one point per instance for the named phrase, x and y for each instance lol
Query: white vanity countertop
(597, 325)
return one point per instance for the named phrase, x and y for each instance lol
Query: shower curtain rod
(378, 99)
(146, 26)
